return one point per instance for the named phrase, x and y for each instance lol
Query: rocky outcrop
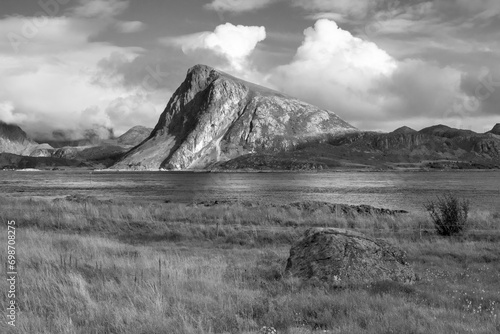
(214, 117)
(134, 136)
(343, 209)
(310, 207)
(342, 258)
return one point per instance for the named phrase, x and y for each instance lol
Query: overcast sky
(379, 64)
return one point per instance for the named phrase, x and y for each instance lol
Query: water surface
(394, 190)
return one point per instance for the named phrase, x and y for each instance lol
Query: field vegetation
(88, 266)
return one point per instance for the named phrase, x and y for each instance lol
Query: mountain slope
(14, 140)
(134, 136)
(214, 117)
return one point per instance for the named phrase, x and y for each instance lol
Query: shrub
(449, 214)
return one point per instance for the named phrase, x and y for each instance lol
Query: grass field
(97, 267)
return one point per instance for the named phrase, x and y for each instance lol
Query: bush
(449, 214)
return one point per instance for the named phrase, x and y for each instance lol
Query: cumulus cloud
(238, 6)
(336, 70)
(365, 85)
(232, 43)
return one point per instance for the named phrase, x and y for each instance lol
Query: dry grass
(118, 268)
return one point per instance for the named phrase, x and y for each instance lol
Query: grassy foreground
(94, 267)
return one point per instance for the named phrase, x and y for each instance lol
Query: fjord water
(393, 190)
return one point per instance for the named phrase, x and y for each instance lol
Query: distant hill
(446, 131)
(434, 147)
(13, 161)
(93, 151)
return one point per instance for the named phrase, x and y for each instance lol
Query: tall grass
(81, 271)
(227, 224)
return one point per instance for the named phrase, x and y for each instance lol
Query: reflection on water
(394, 190)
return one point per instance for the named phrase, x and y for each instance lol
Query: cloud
(358, 9)
(421, 89)
(365, 85)
(100, 8)
(334, 69)
(232, 43)
(48, 79)
(482, 86)
(9, 115)
(135, 109)
(128, 27)
(47, 35)
(238, 6)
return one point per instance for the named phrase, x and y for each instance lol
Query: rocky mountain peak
(214, 117)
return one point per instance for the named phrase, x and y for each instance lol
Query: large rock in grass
(342, 257)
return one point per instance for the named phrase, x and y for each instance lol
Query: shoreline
(255, 171)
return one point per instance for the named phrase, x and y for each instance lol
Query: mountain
(96, 150)
(134, 136)
(104, 152)
(434, 147)
(214, 117)
(14, 140)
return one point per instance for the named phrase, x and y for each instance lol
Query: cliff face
(214, 117)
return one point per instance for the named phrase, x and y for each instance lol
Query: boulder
(343, 258)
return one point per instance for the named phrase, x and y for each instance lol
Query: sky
(72, 65)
